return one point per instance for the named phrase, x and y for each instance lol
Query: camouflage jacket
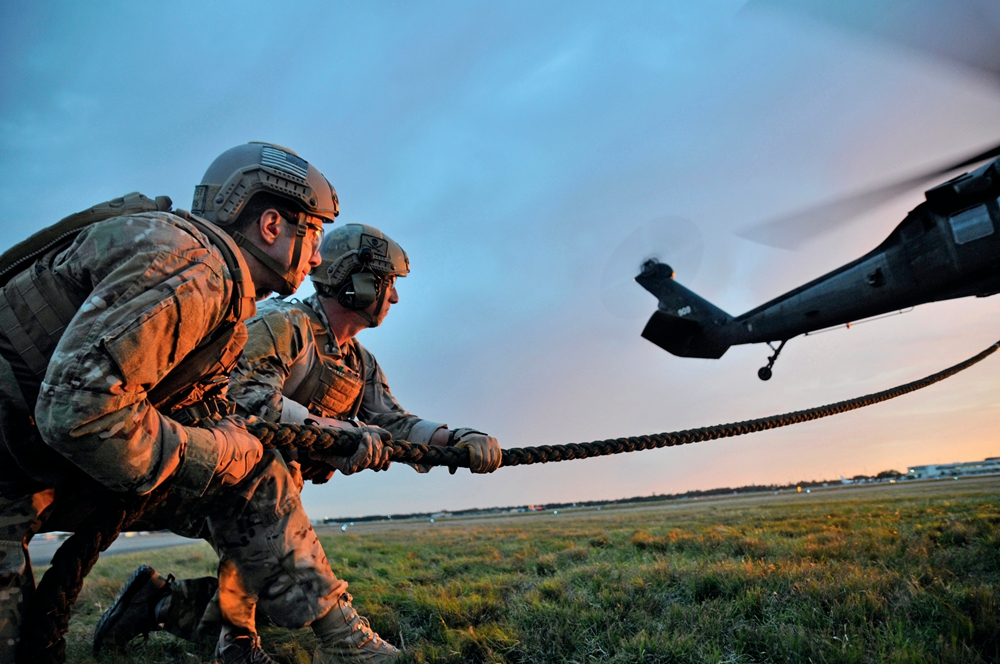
(157, 287)
(281, 352)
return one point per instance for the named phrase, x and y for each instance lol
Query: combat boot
(345, 636)
(243, 650)
(134, 611)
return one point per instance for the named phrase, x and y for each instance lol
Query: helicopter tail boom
(685, 324)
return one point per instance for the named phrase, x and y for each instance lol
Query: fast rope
(47, 617)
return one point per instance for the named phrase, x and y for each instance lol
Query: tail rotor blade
(673, 240)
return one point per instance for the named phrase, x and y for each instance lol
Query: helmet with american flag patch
(238, 174)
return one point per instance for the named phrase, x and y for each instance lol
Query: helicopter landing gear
(764, 373)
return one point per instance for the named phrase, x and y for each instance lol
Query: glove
(373, 452)
(484, 450)
(239, 451)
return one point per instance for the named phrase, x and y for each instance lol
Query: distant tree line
(652, 498)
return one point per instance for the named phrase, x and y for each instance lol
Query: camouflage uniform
(154, 288)
(284, 349)
(281, 352)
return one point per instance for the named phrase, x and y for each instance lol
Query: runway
(44, 546)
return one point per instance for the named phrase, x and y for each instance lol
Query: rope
(47, 618)
(521, 456)
(547, 453)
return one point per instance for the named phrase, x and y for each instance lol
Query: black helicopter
(947, 247)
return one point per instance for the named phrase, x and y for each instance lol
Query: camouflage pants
(19, 520)
(269, 555)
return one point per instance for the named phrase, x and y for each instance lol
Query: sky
(527, 155)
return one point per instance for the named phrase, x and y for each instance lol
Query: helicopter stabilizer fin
(684, 324)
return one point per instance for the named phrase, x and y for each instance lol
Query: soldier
(117, 343)
(303, 363)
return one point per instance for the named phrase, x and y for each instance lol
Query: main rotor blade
(791, 231)
(965, 32)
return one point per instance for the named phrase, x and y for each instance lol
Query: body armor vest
(36, 306)
(337, 386)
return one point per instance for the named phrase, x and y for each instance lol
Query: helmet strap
(284, 272)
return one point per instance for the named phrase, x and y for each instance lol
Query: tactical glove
(373, 452)
(239, 451)
(318, 472)
(484, 450)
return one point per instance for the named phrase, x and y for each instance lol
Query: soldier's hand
(371, 453)
(239, 451)
(484, 450)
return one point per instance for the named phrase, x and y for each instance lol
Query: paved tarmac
(44, 546)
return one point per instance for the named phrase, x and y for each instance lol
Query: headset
(363, 288)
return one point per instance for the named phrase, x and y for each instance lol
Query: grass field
(891, 573)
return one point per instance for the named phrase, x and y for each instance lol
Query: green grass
(894, 573)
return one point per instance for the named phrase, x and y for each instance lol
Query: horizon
(824, 483)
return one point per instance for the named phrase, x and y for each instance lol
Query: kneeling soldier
(117, 338)
(302, 363)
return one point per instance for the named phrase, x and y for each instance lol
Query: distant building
(985, 467)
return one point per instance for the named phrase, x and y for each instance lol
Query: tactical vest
(336, 387)
(36, 306)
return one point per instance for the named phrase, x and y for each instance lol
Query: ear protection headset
(362, 289)
(359, 267)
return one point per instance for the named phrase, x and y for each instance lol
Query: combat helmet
(246, 170)
(357, 261)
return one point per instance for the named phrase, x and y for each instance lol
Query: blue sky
(511, 148)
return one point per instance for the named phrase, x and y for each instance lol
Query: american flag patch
(283, 161)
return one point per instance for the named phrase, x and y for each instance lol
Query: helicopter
(947, 247)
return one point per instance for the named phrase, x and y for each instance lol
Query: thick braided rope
(48, 616)
(300, 436)
(294, 437)
(548, 453)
